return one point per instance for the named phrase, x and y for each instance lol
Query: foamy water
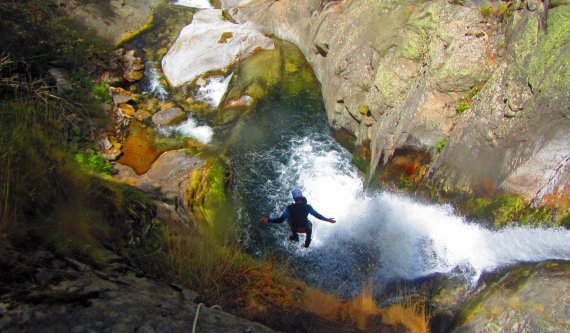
(201, 4)
(214, 90)
(154, 85)
(402, 238)
(190, 129)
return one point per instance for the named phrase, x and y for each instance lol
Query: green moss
(549, 67)
(93, 162)
(225, 36)
(462, 107)
(440, 145)
(508, 208)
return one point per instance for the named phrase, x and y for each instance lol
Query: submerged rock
(197, 49)
(168, 116)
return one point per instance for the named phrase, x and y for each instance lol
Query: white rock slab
(193, 3)
(197, 49)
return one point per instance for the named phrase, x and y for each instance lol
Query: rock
(146, 328)
(112, 20)
(197, 51)
(168, 116)
(524, 299)
(110, 77)
(244, 102)
(167, 175)
(126, 110)
(133, 67)
(109, 299)
(62, 82)
(141, 115)
(121, 96)
(416, 68)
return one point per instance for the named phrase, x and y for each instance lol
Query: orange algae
(139, 148)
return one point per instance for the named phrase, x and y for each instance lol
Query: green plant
(101, 92)
(440, 145)
(93, 162)
(486, 11)
(461, 107)
(407, 183)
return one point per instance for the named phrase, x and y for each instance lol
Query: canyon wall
(482, 88)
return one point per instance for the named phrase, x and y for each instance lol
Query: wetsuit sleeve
(316, 214)
(283, 217)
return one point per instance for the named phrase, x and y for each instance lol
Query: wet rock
(110, 77)
(141, 115)
(242, 102)
(197, 51)
(168, 116)
(126, 110)
(167, 175)
(121, 96)
(529, 298)
(133, 67)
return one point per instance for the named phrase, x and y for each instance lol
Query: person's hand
(332, 220)
(265, 219)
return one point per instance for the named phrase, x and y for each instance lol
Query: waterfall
(388, 236)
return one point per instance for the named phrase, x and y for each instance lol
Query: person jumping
(296, 215)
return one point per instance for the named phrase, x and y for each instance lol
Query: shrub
(101, 92)
(461, 107)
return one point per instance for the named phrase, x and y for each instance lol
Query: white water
(190, 129)
(404, 239)
(214, 90)
(201, 4)
(154, 85)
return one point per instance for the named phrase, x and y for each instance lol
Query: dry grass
(411, 313)
(322, 304)
(223, 275)
(362, 310)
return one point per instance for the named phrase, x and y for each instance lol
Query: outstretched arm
(313, 212)
(283, 217)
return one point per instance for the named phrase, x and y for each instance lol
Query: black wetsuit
(297, 215)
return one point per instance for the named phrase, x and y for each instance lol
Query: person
(297, 215)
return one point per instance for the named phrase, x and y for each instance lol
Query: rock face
(483, 88)
(525, 299)
(64, 295)
(210, 43)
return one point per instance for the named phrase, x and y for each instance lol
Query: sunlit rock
(197, 50)
(166, 175)
(120, 95)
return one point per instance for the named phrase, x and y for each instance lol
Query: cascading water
(379, 237)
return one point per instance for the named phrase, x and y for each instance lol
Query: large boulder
(111, 20)
(530, 298)
(169, 175)
(210, 43)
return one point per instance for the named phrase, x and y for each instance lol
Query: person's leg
(309, 232)
(294, 236)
